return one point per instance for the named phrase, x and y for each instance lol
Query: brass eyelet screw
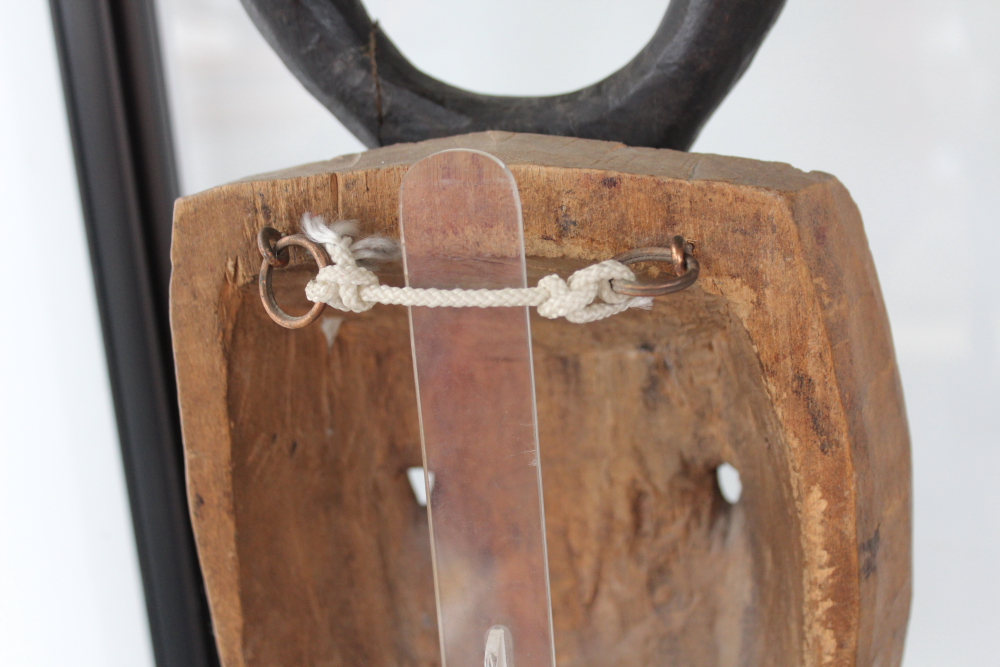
(679, 254)
(274, 249)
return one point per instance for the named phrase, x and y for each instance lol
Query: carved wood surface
(778, 361)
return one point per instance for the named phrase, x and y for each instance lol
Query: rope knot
(340, 285)
(348, 286)
(574, 298)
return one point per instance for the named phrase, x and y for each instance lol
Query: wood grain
(778, 361)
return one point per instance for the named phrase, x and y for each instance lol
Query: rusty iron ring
(274, 249)
(678, 254)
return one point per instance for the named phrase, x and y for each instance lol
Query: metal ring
(272, 249)
(678, 254)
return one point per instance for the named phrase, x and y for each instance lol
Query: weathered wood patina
(778, 361)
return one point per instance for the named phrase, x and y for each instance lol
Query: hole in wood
(730, 484)
(416, 477)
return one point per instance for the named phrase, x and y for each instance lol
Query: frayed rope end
(369, 252)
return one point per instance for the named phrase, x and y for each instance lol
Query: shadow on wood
(779, 361)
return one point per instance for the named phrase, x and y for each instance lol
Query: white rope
(351, 286)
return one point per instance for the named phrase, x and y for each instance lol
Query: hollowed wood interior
(646, 558)
(778, 361)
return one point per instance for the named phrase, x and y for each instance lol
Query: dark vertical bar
(112, 76)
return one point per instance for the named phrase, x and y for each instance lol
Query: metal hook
(679, 254)
(274, 249)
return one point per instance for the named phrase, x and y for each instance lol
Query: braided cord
(349, 287)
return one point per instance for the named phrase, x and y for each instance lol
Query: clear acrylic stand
(460, 220)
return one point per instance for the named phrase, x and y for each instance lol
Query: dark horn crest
(660, 99)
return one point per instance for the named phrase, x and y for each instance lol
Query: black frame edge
(119, 123)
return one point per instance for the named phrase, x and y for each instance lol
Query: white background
(898, 98)
(70, 594)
